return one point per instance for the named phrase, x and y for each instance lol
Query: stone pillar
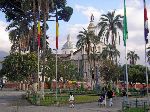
(42, 90)
(35, 87)
(27, 88)
(23, 86)
(20, 86)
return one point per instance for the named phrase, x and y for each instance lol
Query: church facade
(79, 56)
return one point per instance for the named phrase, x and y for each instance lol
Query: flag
(125, 29)
(39, 33)
(146, 30)
(57, 32)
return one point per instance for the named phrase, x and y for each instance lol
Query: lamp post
(56, 72)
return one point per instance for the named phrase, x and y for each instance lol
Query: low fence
(143, 104)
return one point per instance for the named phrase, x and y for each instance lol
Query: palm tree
(110, 52)
(132, 57)
(109, 25)
(85, 39)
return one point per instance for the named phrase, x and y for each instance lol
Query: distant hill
(2, 55)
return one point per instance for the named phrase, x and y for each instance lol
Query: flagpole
(38, 45)
(78, 64)
(56, 76)
(146, 74)
(146, 31)
(126, 72)
(57, 34)
(38, 67)
(125, 37)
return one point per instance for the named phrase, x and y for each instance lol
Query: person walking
(110, 96)
(124, 94)
(71, 100)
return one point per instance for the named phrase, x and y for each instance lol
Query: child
(102, 100)
(71, 100)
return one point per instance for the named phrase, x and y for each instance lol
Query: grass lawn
(135, 110)
(63, 99)
(86, 98)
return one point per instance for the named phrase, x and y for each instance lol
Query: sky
(82, 10)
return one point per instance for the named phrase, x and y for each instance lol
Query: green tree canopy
(18, 67)
(109, 25)
(132, 57)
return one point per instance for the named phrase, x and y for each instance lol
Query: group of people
(102, 100)
(110, 94)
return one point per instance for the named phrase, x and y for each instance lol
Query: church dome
(68, 44)
(68, 47)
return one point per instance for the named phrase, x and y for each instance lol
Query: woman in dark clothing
(124, 94)
(110, 96)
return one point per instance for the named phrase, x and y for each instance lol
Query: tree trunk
(34, 26)
(35, 84)
(44, 50)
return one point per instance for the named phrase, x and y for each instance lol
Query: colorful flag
(57, 32)
(146, 30)
(39, 33)
(125, 29)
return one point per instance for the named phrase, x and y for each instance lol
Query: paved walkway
(10, 101)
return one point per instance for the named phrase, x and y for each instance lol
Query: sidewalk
(86, 107)
(8, 104)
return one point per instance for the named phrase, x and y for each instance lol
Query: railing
(143, 104)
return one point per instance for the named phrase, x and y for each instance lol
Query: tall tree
(132, 57)
(110, 52)
(19, 35)
(59, 10)
(85, 39)
(109, 25)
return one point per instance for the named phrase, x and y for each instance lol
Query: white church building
(68, 47)
(79, 56)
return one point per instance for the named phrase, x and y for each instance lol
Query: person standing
(71, 100)
(110, 96)
(124, 94)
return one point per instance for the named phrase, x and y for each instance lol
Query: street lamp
(56, 72)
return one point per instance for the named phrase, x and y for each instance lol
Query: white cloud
(135, 19)
(74, 31)
(87, 11)
(134, 3)
(4, 39)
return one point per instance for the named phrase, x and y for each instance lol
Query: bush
(132, 90)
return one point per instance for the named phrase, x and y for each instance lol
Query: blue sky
(78, 17)
(81, 17)
(98, 4)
